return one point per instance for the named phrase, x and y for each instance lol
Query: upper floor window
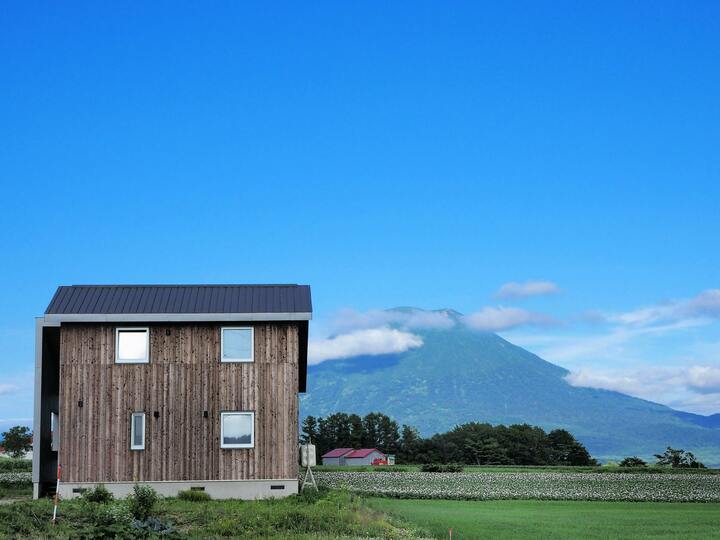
(236, 344)
(132, 345)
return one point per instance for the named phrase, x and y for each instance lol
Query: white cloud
(695, 387)
(605, 346)
(370, 341)
(349, 319)
(529, 288)
(496, 319)
(8, 389)
(704, 305)
(704, 379)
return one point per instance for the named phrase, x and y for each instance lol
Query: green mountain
(460, 375)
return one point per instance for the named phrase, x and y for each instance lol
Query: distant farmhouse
(176, 387)
(363, 456)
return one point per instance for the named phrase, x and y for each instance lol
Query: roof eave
(175, 317)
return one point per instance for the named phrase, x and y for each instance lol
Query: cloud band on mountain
(496, 319)
(347, 320)
(371, 341)
(653, 383)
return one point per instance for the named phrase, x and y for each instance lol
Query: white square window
(236, 344)
(237, 430)
(132, 345)
(137, 431)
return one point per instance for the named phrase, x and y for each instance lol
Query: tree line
(473, 443)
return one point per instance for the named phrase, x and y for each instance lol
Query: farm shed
(363, 456)
(335, 457)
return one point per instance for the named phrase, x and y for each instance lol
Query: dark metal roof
(140, 299)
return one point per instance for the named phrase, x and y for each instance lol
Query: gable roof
(362, 452)
(181, 299)
(338, 452)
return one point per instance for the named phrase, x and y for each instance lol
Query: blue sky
(406, 154)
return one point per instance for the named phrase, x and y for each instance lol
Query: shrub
(15, 465)
(632, 462)
(194, 495)
(99, 494)
(442, 467)
(154, 527)
(112, 520)
(141, 501)
(311, 496)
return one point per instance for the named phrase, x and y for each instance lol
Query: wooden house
(173, 386)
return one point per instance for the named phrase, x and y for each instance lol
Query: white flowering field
(540, 485)
(15, 478)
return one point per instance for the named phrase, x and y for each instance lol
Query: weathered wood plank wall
(183, 379)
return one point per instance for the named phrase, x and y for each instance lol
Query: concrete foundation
(217, 489)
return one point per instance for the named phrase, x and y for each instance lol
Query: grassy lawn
(556, 519)
(324, 516)
(16, 492)
(333, 515)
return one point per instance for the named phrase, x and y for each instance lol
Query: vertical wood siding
(183, 379)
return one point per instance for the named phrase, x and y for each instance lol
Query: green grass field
(15, 492)
(556, 519)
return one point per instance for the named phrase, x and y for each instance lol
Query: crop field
(528, 485)
(15, 478)
(606, 469)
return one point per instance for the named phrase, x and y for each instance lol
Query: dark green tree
(564, 449)
(334, 432)
(310, 431)
(410, 443)
(381, 432)
(17, 441)
(357, 431)
(678, 458)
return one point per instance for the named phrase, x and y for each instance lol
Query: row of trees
(472, 444)
(672, 457)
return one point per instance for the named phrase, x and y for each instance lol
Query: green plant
(194, 495)
(141, 501)
(111, 520)
(632, 462)
(155, 527)
(99, 494)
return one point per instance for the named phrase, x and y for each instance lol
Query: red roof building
(336, 457)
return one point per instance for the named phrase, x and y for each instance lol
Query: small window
(237, 344)
(131, 345)
(54, 432)
(237, 430)
(137, 431)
